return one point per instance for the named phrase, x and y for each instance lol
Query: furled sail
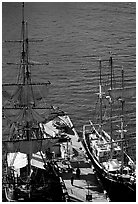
(6, 94)
(29, 147)
(17, 160)
(28, 115)
(120, 93)
(26, 147)
(25, 94)
(24, 114)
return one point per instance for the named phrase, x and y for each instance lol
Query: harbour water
(75, 35)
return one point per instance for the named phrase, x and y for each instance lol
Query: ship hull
(117, 190)
(51, 190)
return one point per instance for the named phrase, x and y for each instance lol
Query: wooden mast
(111, 86)
(26, 76)
(23, 44)
(100, 96)
(122, 123)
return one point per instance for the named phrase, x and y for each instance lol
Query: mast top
(23, 12)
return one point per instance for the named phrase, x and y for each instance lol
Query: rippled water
(75, 36)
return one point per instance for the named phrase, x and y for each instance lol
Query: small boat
(35, 137)
(113, 165)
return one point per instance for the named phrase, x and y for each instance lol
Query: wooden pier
(86, 187)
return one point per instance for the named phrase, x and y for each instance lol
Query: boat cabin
(102, 149)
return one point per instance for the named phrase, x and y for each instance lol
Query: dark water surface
(75, 36)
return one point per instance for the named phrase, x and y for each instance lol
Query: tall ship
(35, 136)
(113, 165)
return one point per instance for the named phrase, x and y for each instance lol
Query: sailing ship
(113, 165)
(34, 138)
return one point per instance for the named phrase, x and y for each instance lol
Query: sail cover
(17, 160)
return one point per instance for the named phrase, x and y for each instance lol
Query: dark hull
(117, 190)
(56, 194)
(51, 190)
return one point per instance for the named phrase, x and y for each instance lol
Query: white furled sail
(17, 160)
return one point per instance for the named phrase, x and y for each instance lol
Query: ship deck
(87, 184)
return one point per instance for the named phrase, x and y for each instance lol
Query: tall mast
(100, 94)
(25, 96)
(122, 122)
(27, 60)
(111, 86)
(23, 44)
(26, 76)
(122, 100)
